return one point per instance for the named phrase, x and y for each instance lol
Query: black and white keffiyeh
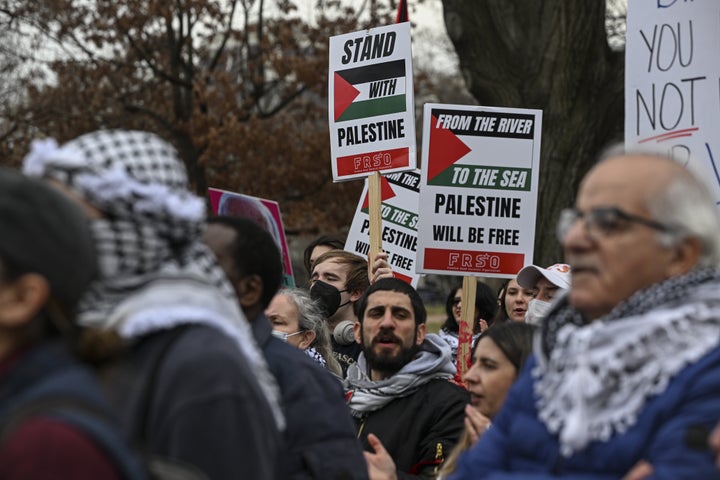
(155, 272)
(365, 395)
(316, 356)
(593, 379)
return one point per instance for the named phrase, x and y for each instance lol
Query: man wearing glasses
(626, 370)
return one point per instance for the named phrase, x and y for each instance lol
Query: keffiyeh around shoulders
(593, 379)
(365, 395)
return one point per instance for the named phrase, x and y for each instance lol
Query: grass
(435, 317)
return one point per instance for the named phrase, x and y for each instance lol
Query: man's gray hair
(686, 206)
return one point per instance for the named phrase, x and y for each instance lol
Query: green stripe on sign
(398, 216)
(373, 108)
(481, 176)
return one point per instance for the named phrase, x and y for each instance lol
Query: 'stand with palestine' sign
(370, 111)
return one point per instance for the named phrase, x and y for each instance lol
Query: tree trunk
(553, 56)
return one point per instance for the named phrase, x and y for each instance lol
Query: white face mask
(284, 336)
(537, 310)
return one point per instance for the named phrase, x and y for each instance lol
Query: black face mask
(327, 297)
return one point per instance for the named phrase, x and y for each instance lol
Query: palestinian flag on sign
(362, 92)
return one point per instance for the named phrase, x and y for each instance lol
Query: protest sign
(672, 81)
(478, 191)
(399, 212)
(266, 213)
(370, 112)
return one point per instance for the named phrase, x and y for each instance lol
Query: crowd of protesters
(141, 339)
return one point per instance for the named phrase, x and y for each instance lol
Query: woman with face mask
(548, 284)
(298, 320)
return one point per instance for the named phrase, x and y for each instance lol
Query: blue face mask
(284, 335)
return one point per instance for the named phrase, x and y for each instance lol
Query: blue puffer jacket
(669, 434)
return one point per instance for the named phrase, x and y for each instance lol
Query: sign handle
(374, 206)
(467, 321)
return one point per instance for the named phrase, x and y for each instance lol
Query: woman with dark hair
(497, 360)
(513, 301)
(485, 307)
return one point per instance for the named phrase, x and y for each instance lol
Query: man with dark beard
(399, 391)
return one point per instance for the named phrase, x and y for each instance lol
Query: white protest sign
(370, 111)
(399, 210)
(672, 81)
(478, 190)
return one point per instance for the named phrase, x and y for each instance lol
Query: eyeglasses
(602, 221)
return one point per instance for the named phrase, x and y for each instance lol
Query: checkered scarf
(316, 356)
(593, 379)
(155, 272)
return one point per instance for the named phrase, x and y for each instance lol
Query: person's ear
(686, 256)
(306, 339)
(355, 296)
(249, 290)
(421, 331)
(22, 299)
(356, 332)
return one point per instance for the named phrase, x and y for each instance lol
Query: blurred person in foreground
(626, 366)
(319, 438)
(399, 391)
(47, 260)
(179, 361)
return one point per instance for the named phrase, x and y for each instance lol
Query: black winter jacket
(419, 430)
(200, 404)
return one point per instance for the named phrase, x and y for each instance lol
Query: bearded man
(399, 391)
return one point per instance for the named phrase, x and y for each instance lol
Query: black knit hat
(43, 232)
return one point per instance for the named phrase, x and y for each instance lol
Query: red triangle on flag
(344, 93)
(386, 193)
(445, 149)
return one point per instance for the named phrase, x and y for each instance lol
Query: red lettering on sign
(473, 261)
(368, 162)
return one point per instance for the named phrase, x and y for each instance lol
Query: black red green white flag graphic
(370, 91)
